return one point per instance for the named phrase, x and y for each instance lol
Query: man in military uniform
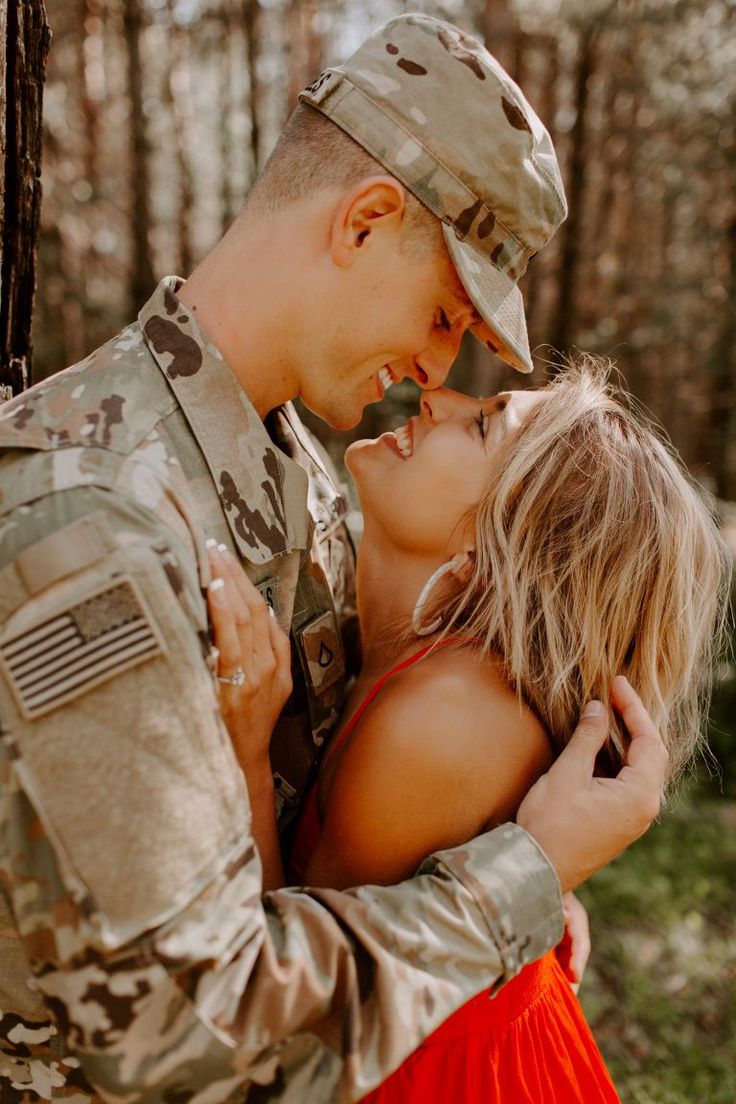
(138, 959)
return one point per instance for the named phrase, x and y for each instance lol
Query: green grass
(660, 990)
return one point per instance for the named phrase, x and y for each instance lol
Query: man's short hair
(314, 153)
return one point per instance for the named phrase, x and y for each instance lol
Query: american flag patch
(56, 660)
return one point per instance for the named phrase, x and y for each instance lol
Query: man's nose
(439, 359)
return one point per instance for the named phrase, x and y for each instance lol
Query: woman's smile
(405, 440)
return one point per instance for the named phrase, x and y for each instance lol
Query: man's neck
(245, 303)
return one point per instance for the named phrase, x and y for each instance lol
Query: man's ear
(373, 206)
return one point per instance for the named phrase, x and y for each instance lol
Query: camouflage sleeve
(127, 858)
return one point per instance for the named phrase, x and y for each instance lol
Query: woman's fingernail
(222, 548)
(270, 610)
(217, 591)
(593, 711)
(211, 543)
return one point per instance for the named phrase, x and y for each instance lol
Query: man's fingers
(585, 742)
(646, 758)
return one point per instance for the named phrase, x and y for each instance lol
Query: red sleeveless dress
(528, 1044)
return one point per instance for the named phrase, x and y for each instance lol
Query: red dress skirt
(529, 1044)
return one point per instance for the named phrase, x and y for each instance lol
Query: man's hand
(583, 822)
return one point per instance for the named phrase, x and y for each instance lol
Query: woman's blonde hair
(596, 555)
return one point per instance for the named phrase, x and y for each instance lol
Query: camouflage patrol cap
(434, 107)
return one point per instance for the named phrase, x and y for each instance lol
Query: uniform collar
(262, 492)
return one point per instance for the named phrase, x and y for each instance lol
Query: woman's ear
(372, 206)
(464, 566)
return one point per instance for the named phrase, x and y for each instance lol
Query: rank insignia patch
(321, 651)
(56, 660)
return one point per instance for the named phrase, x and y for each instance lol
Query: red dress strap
(376, 689)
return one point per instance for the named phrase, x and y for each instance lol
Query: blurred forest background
(158, 116)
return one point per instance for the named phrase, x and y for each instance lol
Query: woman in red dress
(518, 553)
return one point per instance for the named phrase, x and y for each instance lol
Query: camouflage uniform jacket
(138, 958)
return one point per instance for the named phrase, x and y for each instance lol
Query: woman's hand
(249, 640)
(573, 950)
(255, 653)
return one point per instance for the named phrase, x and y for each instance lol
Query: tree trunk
(24, 45)
(723, 405)
(227, 111)
(141, 281)
(250, 23)
(178, 94)
(90, 61)
(306, 45)
(498, 25)
(539, 272)
(565, 322)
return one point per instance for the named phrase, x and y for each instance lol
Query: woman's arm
(249, 640)
(445, 749)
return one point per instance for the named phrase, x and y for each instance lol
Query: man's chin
(339, 419)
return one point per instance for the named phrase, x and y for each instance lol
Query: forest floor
(660, 989)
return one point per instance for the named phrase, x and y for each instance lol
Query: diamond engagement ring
(236, 679)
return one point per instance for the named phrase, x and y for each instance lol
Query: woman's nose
(442, 403)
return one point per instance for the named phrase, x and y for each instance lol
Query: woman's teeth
(403, 440)
(386, 379)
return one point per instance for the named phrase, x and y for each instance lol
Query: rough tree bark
(24, 45)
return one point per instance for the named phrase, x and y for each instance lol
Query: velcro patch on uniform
(58, 659)
(319, 643)
(269, 591)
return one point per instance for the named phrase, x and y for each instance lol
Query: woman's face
(420, 482)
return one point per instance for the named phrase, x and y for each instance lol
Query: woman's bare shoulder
(472, 724)
(443, 750)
